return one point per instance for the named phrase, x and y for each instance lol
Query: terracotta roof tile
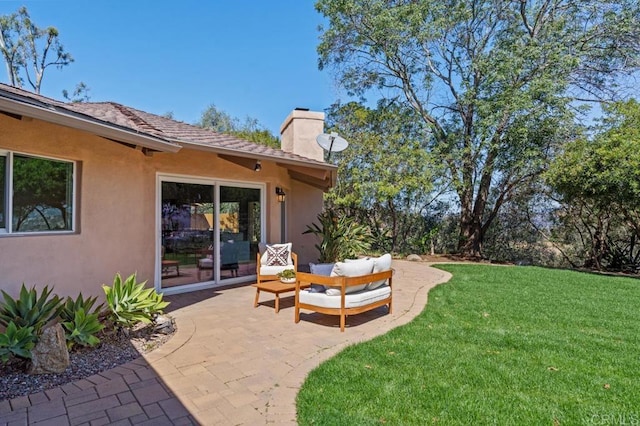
(164, 128)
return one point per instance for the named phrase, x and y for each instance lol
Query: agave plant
(82, 329)
(71, 306)
(130, 302)
(30, 310)
(341, 237)
(16, 341)
(80, 322)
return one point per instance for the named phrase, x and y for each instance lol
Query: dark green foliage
(493, 81)
(251, 130)
(598, 183)
(80, 322)
(341, 237)
(30, 310)
(386, 176)
(130, 302)
(82, 329)
(17, 341)
(71, 306)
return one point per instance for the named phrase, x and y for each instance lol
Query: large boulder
(50, 355)
(414, 258)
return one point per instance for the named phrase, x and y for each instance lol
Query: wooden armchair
(267, 270)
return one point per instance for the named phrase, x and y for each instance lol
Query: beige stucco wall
(299, 131)
(303, 209)
(116, 207)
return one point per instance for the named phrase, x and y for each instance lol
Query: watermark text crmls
(617, 419)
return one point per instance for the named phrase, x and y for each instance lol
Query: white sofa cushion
(350, 269)
(356, 260)
(380, 264)
(352, 300)
(273, 270)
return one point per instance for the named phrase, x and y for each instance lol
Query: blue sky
(252, 58)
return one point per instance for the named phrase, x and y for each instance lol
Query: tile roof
(186, 135)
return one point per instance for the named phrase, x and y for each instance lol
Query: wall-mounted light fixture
(257, 167)
(281, 194)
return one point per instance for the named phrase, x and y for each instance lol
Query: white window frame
(8, 202)
(216, 183)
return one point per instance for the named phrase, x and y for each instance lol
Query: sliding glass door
(210, 231)
(239, 221)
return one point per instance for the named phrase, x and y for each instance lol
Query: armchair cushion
(273, 270)
(205, 262)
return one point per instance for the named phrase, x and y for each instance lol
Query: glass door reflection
(240, 231)
(187, 217)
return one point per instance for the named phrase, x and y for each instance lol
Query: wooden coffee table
(275, 287)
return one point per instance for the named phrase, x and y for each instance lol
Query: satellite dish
(331, 142)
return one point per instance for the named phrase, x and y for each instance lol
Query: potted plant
(287, 276)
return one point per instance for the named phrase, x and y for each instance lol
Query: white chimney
(298, 133)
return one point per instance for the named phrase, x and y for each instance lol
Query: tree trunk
(470, 239)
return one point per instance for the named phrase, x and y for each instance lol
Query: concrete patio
(228, 364)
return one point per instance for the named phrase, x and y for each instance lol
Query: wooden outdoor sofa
(345, 293)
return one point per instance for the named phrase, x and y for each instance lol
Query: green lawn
(495, 345)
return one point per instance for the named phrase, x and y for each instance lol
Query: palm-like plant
(340, 235)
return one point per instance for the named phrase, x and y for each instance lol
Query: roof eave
(55, 115)
(257, 156)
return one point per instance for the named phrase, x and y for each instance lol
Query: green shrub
(16, 341)
(341, 237)
(130, 302)
(82, 329)
(287, 273)
(30, 310)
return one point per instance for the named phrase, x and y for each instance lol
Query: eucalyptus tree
(598, 183)
(28, 50)
(493, 80)
(222, 122)
(385, 178)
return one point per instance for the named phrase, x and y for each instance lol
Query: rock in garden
(414, 258)
(50, 355)
(164, 324)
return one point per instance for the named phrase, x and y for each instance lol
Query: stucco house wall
(116, 208)
(114, 202)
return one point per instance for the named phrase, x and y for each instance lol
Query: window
(36, 194)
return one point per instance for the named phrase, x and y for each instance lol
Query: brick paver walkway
(228, 364)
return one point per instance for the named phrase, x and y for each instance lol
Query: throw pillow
(380, 264)
(350, 269)
(320, 269)
(276, 255)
